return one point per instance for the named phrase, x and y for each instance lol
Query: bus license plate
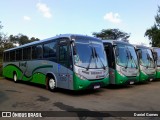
(131, 83)
(96, 86)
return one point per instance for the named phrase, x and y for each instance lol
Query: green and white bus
(73, 62)
(146, 63)
(122, 61)
(156, 55)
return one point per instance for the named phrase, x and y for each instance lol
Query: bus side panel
(157, 74)
(143, 77)
(70, 80)
(80, 84)
(10, 68)
(120, 79)
(111, 76)
(36, 71)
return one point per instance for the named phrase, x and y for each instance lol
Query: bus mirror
(155, 56)
(137, 49)
(106, 47)
(117, 51)
(74, 50)
(140, 54)
(114, 45)
(72, 41)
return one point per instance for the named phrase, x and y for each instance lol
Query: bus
(122, 62)
(156, 55)
(68, 61)
(146, 63)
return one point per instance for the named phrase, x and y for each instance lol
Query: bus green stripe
(35, 77)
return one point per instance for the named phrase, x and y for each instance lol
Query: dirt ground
(30, 97)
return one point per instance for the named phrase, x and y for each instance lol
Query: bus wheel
(51, 84)
(15, 77)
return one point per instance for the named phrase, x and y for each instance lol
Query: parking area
(29, 97)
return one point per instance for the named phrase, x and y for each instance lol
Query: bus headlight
(81, 77)
(106, 75)
(121, 74)
(143, 72)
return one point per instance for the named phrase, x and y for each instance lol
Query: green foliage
(111, 34)
(153, 33)
(9, 42)
(5, 43)
(0, 30)
(21, 39)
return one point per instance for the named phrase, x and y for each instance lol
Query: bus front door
(63, 80)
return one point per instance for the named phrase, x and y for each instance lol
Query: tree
(153, 33)
(8, 42)
(4, 42)
(111, 34)
(0, 30)
(34, 39)
(21, 39)
(1, 26)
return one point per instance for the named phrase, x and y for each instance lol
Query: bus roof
(141, 46)
(49, 39)
(154, 47)
(115, 42)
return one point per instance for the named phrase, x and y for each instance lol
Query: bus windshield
(146, 58)
(157, 50)
(89, 54)
(126, 56)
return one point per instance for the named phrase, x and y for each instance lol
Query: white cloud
(44, 9)
(113, 17)
(27, 18)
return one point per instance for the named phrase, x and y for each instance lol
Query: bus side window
(110, 55)
(63, 53)
(12, 56)
(37, 52)
(49, 50)
(19, 54)
(7, 56)
(34, 52)
(27, 53)
(4, 57)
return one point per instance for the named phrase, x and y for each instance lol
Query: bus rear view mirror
(137, 49)
(155, 56)
(74, 50)
(117, 51)
(114, 45)
(140, 54)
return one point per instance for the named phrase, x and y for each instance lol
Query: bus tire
(15, 77)
(51, 84)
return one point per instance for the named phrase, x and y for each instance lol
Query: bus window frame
(69, 52)
(111, 59)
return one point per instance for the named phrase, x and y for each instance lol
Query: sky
(48, 18)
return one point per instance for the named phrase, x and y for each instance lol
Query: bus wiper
(133, 60)
(149, 60)
(90, 59)
(97, 56)
(127, 59)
